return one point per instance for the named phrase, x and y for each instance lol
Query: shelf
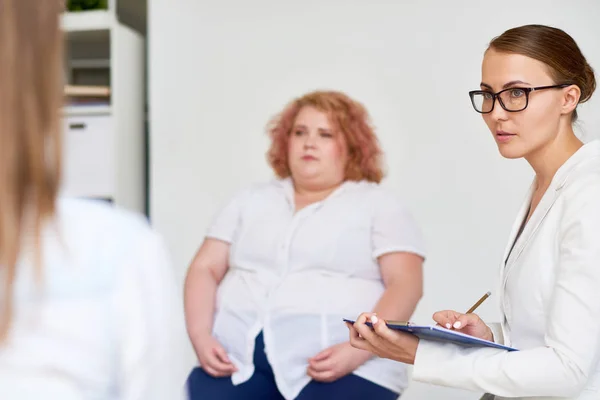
(90, 63)
(81, 21)
(87, 91)
(77, 110)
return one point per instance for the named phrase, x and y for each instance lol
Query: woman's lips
(503, 137)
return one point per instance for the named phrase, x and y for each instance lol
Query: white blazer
(550, 300)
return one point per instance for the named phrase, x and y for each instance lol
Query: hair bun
(588, 84)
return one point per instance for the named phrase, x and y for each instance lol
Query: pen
(398, 323)
(481, 300)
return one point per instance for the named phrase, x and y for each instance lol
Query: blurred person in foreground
(88, 306)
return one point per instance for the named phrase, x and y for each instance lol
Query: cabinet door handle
(79, 125)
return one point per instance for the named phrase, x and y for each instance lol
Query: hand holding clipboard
(462, 329)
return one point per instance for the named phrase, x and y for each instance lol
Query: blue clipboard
(440, 334)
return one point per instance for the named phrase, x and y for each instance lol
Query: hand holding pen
(467, 323)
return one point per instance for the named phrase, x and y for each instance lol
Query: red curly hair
(348, 117)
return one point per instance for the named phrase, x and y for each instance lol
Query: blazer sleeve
(572, 339)
(496, 329)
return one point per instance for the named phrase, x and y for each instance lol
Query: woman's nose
(309, 141)
(498, 112)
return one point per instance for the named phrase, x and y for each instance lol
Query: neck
(546, 160)
(310, 194)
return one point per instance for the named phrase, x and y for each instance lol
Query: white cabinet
(89, 156)
(105, 135)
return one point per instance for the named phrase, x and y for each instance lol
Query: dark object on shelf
(84, 5)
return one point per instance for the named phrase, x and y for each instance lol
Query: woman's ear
(571, 95)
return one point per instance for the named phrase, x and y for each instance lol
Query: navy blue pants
(261, 385)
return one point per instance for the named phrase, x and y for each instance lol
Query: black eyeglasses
(512, 99)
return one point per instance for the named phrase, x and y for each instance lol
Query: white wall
(220, 70)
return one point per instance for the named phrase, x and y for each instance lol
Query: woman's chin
(510, 151)
(307, 175)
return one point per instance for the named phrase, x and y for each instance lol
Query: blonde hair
(31, 95)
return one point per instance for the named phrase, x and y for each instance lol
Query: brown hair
(30, 101)
(348, 116)
(556, 49)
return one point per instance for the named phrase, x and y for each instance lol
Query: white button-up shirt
(106, 322)
(296, 275)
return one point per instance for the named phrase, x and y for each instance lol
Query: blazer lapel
(511, 239)
(531, 227)
(517, 224)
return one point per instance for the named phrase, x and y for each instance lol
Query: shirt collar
(287, 186)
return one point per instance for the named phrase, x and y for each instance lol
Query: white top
(550, 300)
(107, 322)
(295, 276)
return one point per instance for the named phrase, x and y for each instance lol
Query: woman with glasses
(533, 78)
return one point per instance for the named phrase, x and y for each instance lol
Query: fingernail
(457, 325)
(374, 319)
(448, 326)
